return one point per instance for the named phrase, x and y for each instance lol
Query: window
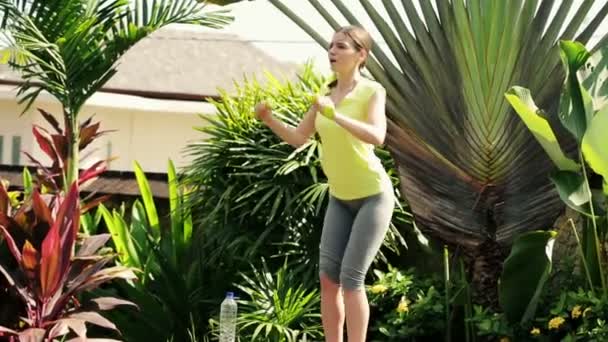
(16, 157)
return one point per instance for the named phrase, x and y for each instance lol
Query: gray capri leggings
(353, 232)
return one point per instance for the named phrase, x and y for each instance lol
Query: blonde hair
(361, 39)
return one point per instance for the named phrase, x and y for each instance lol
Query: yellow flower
(535, 331)
(403, 305)
(505, 339)
(379, 289)
(586, 311)
(576, 311)
(556, 322)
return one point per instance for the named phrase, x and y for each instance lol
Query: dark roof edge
(122, 183)
(107, 173)
(157, 95)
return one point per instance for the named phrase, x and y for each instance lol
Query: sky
(260, 23)
(260, 20)
(265, 26)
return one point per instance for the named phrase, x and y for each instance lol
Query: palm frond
(71, 48)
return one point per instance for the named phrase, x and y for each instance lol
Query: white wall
(13, 125)
(144, 130)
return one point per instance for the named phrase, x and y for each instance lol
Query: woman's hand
(263, 111)
(325, 106)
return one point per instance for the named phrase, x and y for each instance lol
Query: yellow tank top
(352, 169)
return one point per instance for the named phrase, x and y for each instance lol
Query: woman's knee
(327, 281)
(352, 279)
(329, 269)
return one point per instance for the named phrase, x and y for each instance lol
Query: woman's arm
(294, 136)
(372, 130)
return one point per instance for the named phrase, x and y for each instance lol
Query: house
(152, 104)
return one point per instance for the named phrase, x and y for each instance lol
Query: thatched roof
(188, 64)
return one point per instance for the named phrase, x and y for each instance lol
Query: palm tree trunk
(485, 266)
(73, 161)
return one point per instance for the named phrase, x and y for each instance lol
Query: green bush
(573, 316)
(406, 307)
(171, 288)
(277, 307)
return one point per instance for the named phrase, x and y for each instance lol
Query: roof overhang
(110, 182)
(129, 99)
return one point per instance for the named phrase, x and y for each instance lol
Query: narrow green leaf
(188, 226)
(326, 15)
(148, 200)
(28, 185)
(139, 227)
(120, 237)
(175, 209)
(277, 202)
(86, 221)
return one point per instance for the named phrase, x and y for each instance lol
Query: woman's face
(343, 54)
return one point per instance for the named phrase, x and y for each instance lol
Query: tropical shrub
(583, 113)
(575, 315)
(54, 145)
(406, 306)
(24, 217)
(55, 267)
(277, 306)
(172, 286)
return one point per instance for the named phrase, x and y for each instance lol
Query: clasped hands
(321, 104)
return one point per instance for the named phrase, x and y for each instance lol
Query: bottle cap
(230, 295)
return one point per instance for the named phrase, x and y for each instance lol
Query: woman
(350, 120)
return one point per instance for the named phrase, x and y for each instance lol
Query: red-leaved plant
(54, 266)
(55, 145)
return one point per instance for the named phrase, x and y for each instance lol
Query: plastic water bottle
(228, 319)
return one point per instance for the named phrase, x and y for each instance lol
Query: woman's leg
(336, 231)
(368, 232)
(332, 309)
(357, 314)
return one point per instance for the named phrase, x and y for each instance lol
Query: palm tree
(70, 48)
(472, 173)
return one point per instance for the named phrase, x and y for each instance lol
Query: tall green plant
(584, 114)
(254, 194)
(472, 173)
(70, 48)
(171, 285)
